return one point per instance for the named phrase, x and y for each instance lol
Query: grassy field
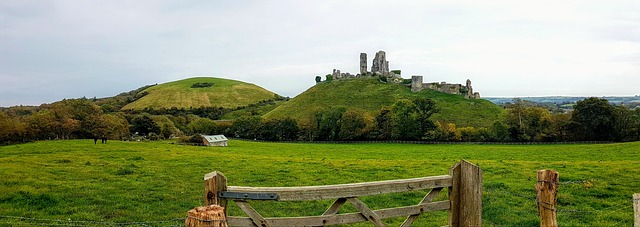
(368, 96)
(156, 181)
(224, 93)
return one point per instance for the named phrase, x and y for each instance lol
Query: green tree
(383, 124)
(500, 132)
(202, 126)
(279, 130)
(143, 125)
(594, 119)
(424, 109)
(246, 127)
(404, 125)
(353, 126)
(623, 124)
(329, 124)
(561, 127)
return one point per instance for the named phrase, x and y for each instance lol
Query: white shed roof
(215, 138)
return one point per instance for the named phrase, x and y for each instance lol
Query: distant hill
(201, 92)
(369, 95)
(565, 99)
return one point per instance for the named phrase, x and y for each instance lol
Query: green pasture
(149, 182)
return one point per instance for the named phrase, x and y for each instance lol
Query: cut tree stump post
(215, 182)
(465, 195)
(546, 195)
(636, 210)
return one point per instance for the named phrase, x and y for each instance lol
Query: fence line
(427, 142)
(15, 220)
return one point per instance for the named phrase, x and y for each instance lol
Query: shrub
(329, 77)
(201, 85)
(397, 72)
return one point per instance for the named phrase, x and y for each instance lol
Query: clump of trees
(201, 85)
(67, 119)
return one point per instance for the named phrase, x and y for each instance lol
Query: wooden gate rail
(462, 189)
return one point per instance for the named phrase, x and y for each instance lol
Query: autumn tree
(528, 123)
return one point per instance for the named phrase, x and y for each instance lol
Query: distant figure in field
(95, 140)
(104, 139)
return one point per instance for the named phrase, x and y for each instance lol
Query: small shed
(214, 140)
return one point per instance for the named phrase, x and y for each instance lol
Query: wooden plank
(636, 210)
(349, 190)
(343, 218)
(427, 198)
(367, 212)
(255, 217)
(454, 196)
(470, 194)
(546, 195)
(335, 207)
(215, 182)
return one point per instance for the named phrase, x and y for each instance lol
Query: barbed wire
(16, 220)
(622, 205)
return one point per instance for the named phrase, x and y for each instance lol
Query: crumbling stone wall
(456, 89)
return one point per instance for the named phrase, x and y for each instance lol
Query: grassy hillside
(224, 93)
(125, 182)
(370, 95)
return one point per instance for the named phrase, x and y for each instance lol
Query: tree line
(593, 119)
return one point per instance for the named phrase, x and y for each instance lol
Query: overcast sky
(50, 50)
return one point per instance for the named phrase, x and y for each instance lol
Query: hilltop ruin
(380, 68)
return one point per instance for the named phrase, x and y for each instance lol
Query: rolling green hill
(368, 95)
(183, 94)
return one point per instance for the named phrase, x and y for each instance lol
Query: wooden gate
(464, 184)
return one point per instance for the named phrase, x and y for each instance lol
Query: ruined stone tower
(416, 83)
(363, 63)
(469, 89)
(380, 64)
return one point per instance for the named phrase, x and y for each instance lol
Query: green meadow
(126, 182)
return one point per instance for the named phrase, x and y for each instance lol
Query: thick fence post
(546, 195)
(215, 182)
(636, 210)
(465, 195)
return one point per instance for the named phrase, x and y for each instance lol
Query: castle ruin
(444, 87)
(380, 68)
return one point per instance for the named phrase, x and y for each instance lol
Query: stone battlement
(456, 89)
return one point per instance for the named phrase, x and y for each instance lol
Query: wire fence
(428, 142)
(26, 221)
(582, 209)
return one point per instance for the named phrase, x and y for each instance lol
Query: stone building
(215, 140)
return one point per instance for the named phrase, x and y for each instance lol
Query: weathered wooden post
(546, 195)
(465, 195)
(636, 210)
(215, 182)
